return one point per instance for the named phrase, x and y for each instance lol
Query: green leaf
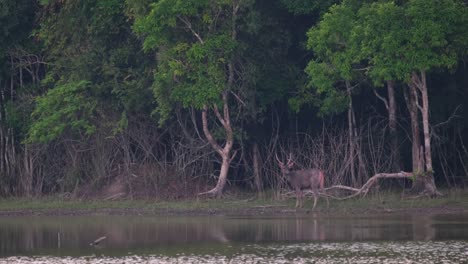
(68, 106)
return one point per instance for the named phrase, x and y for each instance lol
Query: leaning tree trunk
(224, 152)
(224, 119)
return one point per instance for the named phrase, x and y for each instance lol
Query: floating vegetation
(349, 252)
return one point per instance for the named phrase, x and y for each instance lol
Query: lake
(288, 238)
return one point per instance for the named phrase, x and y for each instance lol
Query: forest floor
(453, 202)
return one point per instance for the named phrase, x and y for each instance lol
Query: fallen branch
(343, 187)
(114, 196)
(364, 189)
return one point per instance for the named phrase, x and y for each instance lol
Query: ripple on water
(361, 252)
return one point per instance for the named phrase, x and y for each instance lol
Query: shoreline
(455, 202)
(247, 211)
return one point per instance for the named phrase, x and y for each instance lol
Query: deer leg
(302, 199)
(315, 200)
(298, 198)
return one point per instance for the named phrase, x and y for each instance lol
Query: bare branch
(342, 187)
(189, 26)
(218, 115)
(381, 98)
(452, 116)
(233, 156)
(238, 98)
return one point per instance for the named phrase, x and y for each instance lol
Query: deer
(312, 179)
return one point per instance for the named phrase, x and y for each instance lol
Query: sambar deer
(312, 179)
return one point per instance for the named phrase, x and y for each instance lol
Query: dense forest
(173, 98)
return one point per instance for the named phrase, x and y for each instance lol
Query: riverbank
(454, 201)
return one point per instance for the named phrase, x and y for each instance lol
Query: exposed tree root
(215, 192)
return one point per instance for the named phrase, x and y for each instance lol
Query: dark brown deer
(312, 179)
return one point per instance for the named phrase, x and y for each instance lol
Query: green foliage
(416, 36)
(160, 24)
(16, 21)
(69, 106)
(269, 74)
(194, 45)
(387, 40)
(323, 80)
(94, 49)
(380, 30)
(16, 17)
(83, 37)
(101, 79)
(434, 33)
(300, 7)
(18, 115)
(334, 47)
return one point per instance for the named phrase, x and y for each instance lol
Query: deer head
(285, 168)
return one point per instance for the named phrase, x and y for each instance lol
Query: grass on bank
(454, 198)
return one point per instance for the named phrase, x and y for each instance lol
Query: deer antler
(278, 160)
(290, 162)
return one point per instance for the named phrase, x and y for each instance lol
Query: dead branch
(342, 187)
(364, 189)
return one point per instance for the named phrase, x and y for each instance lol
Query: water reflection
(172, 235)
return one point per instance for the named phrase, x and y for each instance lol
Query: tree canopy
(159, 93)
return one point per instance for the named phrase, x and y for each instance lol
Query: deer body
(312, 179)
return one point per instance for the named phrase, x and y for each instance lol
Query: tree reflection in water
(172, 235)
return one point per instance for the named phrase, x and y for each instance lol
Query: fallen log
(366, 187)
(372, 180)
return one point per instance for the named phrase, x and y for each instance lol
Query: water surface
(307, 238)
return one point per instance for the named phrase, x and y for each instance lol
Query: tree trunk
(223, 118)
(424, 173)
(392, 123)
(422, 86)
(426, 180)
(28, 172)
(351, 129)
(412, 103)
(256, 170)
(223, 174)
(225, 152)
